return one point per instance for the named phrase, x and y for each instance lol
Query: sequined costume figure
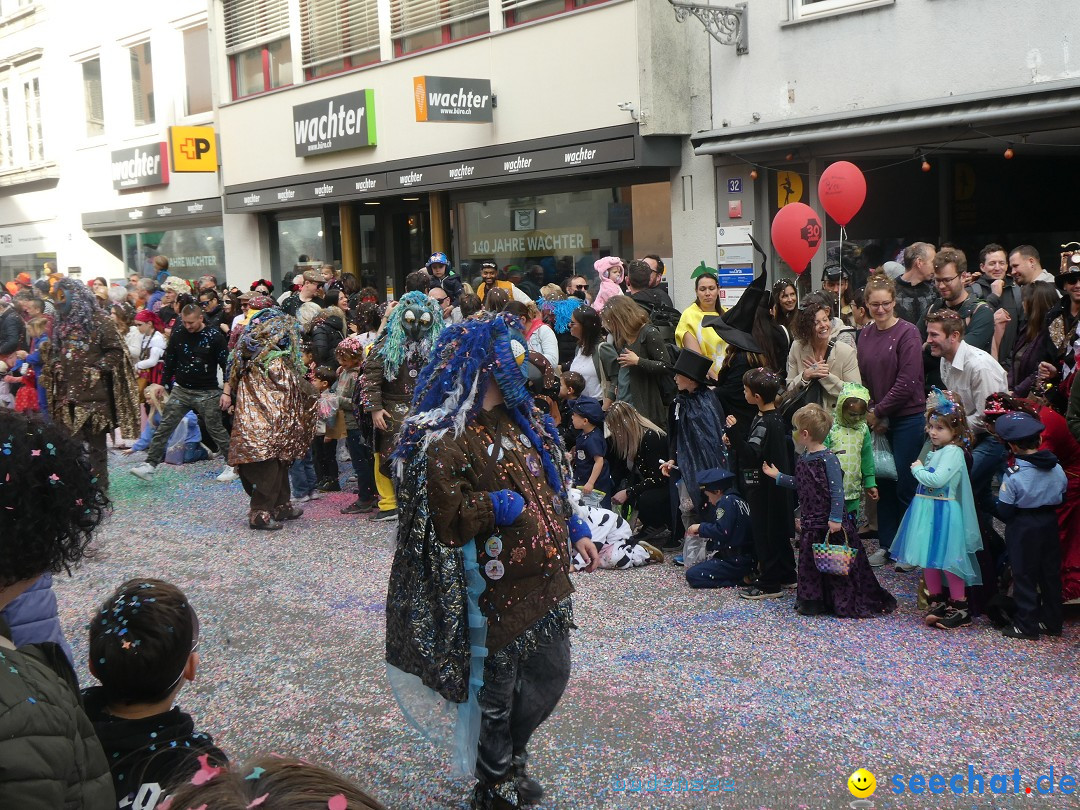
(478, 608)
(274, 414)
(390, 371)
(88, 376)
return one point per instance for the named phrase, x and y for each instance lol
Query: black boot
(529, 790)
(502, 796)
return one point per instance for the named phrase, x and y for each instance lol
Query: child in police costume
(720, 550)
(1027, 501)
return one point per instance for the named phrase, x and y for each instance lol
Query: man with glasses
(950, 265)
(439, 296)
(212, 310)
(577, 286)
(310, 290)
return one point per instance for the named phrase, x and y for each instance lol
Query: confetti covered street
(749, 703)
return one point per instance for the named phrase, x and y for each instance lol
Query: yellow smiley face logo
(862, 784)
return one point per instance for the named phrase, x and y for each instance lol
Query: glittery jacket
(274, 414)
(91, 380)
(394, 396)
(526, 564)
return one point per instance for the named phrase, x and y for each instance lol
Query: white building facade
(964, 116)
(98, 181)
(370, 133)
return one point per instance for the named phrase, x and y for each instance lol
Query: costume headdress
(269, 334)
(393, 346)
(945, 406)
(81, 308)
(450, 389)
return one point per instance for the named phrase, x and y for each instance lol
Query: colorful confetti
(668, 682)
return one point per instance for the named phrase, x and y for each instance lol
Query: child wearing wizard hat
(695, 434)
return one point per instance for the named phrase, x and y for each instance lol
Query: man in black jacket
(192, 359)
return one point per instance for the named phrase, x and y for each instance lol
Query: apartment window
(35, 141)
(11, 6)
(258, 46)
(142, 84)
(804, 9)
(522, 11)
(7, 149)
(338, 35)
(95, 108)
(420, 24)
(197, 70)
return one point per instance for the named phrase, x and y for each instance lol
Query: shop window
(95, 106)
(258, 45)
(338, 35)
(197, 71)
(35, 141)
(522, 11)
(565, 232)
(192, 252)
(416, 25)
(300, 247)
(142, 84)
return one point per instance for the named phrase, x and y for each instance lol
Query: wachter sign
(334, 124)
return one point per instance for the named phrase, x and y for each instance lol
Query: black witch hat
(736, 324)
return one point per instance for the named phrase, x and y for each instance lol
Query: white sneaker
(314, 495)
(228, 474)
(879, 558)
(145, 471)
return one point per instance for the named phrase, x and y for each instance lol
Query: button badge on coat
(494, 570)
(493, 546)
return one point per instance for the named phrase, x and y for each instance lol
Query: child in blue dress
(940, 531)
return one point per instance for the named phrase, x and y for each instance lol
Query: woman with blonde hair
(642, 357)
(637, 447)
(185, 444)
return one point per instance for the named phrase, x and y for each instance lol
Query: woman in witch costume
(753, 341)
(478, 606)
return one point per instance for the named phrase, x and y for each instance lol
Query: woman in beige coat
(816, 354)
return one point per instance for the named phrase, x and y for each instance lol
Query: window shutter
(249, 23)
(334, 29)
(511, 5)
(409, 17)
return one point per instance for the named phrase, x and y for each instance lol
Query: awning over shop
(1052, 108)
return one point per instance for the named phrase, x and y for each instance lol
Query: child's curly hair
(50, 499)
(281, 783)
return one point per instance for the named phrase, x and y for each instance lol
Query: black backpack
(664, 318)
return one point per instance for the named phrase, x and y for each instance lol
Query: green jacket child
(850, 440)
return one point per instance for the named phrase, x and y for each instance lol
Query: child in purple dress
(820, 484)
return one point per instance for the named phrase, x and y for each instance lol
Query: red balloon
(797, 235)
(842, 191)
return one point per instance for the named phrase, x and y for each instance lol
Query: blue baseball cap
(715, 478)
(1017, 426)
(590, 408)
